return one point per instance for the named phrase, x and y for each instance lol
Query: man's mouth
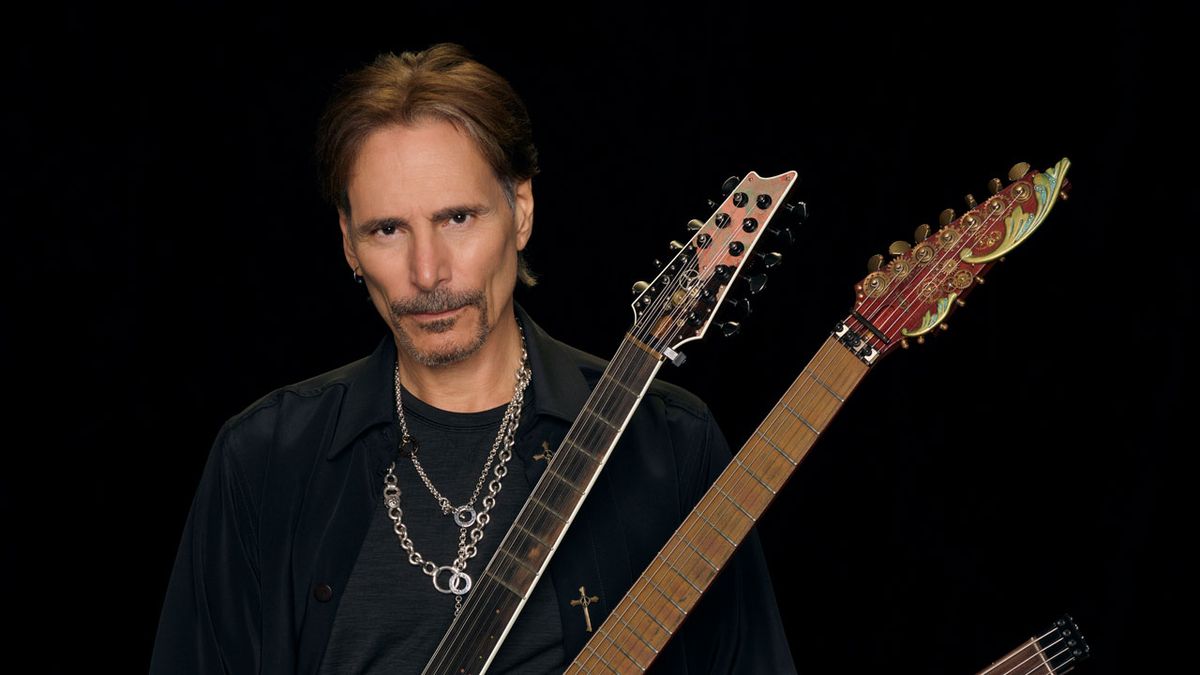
(434, 316)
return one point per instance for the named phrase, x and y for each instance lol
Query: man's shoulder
(293, 408)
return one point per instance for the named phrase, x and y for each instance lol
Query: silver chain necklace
(465, 516)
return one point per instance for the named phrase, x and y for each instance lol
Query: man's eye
(386, 229)
(460, 218)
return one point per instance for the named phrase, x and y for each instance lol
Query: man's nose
(430, 264)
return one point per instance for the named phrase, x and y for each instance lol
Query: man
(292, 562)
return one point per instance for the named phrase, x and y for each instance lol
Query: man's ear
(523, 212)
(347, 245)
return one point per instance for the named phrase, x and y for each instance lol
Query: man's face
(435, 238)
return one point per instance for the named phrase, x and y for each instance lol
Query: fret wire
(650, 578)
(827, 387)
(629, 627)
(648, 613)
(503, 583)
(549, 509)
(776, 447)
(735, 502)
(753, 475)
(614, 643)
(520, 561)
(680, 574)
(715, 528)
(800, 417)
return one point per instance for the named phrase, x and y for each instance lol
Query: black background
(169, 261)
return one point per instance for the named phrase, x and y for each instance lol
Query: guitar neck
(653, 609)
(499, 593)
(1055, 652)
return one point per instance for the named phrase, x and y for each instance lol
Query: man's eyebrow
(468, 209)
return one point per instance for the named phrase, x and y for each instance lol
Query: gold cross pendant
(546, 454)
(583, 602)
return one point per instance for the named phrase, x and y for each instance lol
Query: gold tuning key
(1018, 171)
(960, 302)
(899, 247)
(970, 199)
(874, 263)
(922, 233)
(695, 224)
(639, 287)
(994, 185)
(904, 343)
(946, 217)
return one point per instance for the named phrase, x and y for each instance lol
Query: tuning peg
(797, 210)
(740, 304)
(695, 224)
(944, 326)
(676, 246)
(899, 247)
(755, 283)
(946, 217)
(712, 206)
(639, 287)
(960, 302)
(1018, 171)
(922, 233)
(768, 260)
(920, 339)
(783, 234)
(970, 199)
(994, 185)
(979, 280)
(729, 184)
(1064, 192)
(904, 343)
(874, 263)
(729, 328)
(657, 264)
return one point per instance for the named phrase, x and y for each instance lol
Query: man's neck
(482, 381)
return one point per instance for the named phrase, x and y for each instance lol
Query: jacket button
(323, 592)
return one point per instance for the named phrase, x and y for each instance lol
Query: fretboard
(653, 609)
(500, 591)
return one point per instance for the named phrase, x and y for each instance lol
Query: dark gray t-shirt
(391, 618)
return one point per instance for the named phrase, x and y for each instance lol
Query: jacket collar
(559, 388)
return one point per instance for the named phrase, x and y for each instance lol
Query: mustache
(436, 301)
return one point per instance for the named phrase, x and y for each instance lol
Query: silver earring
(358, 279)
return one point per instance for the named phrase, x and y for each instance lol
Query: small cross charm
(546, 454)
(583, 601)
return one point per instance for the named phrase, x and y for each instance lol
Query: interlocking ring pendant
(459, 583)
(464, 516)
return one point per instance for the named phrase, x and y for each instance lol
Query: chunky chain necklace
(469, 521)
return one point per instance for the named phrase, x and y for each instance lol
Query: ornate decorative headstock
(679, 304)
(914, 292)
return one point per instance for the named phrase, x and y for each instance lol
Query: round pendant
(459, 583)
(464, 516)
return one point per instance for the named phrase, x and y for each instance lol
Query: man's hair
(440, 83)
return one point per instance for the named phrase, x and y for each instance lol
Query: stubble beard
(441, 300)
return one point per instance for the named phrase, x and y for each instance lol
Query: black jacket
(292, 482)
